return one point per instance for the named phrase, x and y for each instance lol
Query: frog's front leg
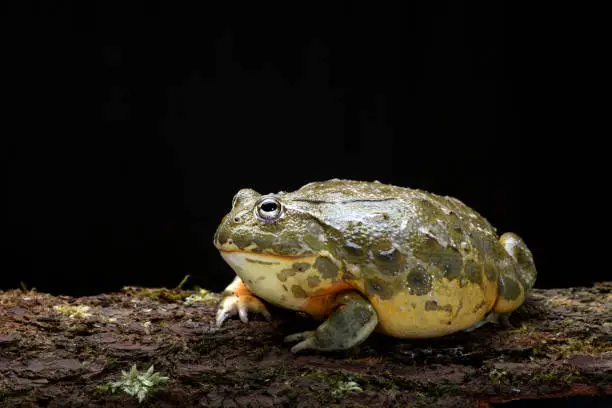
(238, 299)
(353, 320)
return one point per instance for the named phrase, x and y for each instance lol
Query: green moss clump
(566, 376)
(498, 377)
(588, 346)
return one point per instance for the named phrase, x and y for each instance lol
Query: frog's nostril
(236, 219)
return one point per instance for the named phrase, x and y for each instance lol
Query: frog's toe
(309, 343)
(240, 305)
(299, 336)
(306, 340)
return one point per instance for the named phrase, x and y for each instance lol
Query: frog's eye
(268, 209)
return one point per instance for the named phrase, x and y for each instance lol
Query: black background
(131, 128)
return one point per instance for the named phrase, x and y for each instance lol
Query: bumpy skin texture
(428, 265)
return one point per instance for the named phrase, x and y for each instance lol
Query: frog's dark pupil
(269, 207)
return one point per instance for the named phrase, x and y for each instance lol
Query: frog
(363, 257)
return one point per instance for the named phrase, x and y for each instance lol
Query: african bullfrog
(365, 256)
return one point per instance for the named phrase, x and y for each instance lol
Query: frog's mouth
(265, 255)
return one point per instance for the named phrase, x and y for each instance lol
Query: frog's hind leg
(517, 249)
(517, 278)
(351, 323)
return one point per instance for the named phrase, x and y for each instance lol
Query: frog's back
(429, 264)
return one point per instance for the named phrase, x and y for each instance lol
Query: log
(58, 351)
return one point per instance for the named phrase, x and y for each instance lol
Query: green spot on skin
(490, 271)
(301, 266)
(430, 251)
(265, 240)
(288, 248)
(298, 292)
(378, 287)
(509, 288)
(354, 252)
(473, 272)
(387, 258)
(454, 227)
(351, 245)
(313, 242)
(313, 281)
(284, 274)
(328, 269)
(418, 281)
(347, 275)
(312, 236)
(297, 267)
(241, 238)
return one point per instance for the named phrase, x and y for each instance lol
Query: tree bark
(55, 352)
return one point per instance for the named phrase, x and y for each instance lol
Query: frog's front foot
(239, 300)
(350, 324)
(241, 305)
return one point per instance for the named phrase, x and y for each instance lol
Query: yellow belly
(446, 309)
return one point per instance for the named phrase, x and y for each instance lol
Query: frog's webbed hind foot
(495, 318)
(350, 324)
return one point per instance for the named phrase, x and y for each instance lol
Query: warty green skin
(390, 231)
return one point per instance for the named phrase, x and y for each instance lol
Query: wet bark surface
(63, 351)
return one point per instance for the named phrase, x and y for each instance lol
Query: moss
(587, 346)
(340, 382)
(73, 311)
(112, 363)
(424, 393)
(590, 346)
(521, 329)
(176, 295)
(202, 296)
(498, 377)
(566, 376)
